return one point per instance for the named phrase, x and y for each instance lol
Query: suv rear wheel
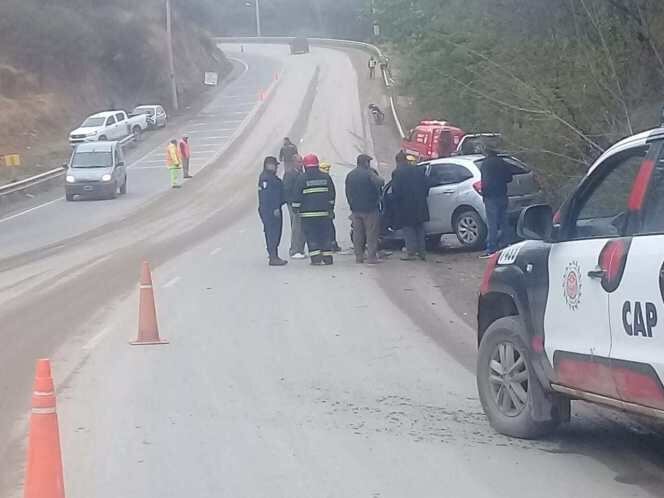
(470, 229)
(509, 389)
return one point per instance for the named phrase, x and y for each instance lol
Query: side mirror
(65, 165)
(535, 223)
(121, 163)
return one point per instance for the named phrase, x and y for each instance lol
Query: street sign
(12, 160)
(211, 79)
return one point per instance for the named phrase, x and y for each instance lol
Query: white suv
(577, 310)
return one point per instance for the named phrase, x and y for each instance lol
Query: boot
(328, 260)
(277, 261)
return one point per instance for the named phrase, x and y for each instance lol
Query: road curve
(288, 382)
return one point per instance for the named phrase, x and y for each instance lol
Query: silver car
(96, 169)
(455, 202)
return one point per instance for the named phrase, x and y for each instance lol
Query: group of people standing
(310, 195)
(178, 155)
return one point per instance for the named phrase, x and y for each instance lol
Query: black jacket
(363, 188)
(315, 194)
(290, 184)
(287, 153)
(496, 174)
(409, 196)
(270, 192)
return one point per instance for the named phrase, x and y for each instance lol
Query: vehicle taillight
(488, 271)
(478, 187)
(612, 260)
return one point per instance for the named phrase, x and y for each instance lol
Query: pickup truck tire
(470, 229)
(507, 385)
(123, 187)
(102, 138)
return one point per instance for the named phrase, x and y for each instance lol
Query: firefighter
(325, 168)
(314, 201)
(270, 200)
(174, 163)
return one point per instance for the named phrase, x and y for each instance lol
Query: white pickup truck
(109, 125)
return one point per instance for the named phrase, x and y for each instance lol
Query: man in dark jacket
(288, 154)
(411, 210)
(363, 187)
(291, 176)
(496, 174)
(315, 196)
(270, 200)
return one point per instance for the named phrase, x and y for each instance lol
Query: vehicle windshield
(143, 110)
(92, 160)
(92, 122)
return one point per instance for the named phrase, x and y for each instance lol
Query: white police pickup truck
(109, 125)
(576, 311)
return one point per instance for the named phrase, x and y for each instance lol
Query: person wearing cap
(315, 196)
(174, 163)
(270, 200)
(363, 189)
(325, 167)
(185, 154)
(411, 209)
(291, 176)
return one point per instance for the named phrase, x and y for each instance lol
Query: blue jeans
(496, 217)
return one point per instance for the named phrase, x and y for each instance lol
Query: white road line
(213, 137)
(150, 167)
(171, 282)
(21, 213)
(215, 251)
(152, 161)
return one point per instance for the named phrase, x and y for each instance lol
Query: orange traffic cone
(43, 477)
(148, 332)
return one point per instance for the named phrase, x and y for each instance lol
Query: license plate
(88, 188)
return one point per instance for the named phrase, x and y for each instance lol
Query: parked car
(109, 125)
(575, 311)
(432, 140)
(455, 200)
(299, 45)
(155, 115)
(96, 169)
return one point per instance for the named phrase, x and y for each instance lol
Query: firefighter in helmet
(315, 196)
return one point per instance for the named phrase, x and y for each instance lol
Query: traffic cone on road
(148, 332)
(43, 476)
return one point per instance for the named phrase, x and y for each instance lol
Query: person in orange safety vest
(174, 163)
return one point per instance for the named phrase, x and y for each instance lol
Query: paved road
(343, 381)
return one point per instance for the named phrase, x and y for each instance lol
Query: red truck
(432, 139)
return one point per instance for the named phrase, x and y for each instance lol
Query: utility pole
(171, 62)
(258, 18)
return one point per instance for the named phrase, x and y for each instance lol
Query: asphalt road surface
(344, 381)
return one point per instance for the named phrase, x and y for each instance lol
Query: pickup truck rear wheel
(509, 390)
(102, 138)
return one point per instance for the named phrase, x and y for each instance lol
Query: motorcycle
(377, 114)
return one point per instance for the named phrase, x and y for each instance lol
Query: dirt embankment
(61, 63)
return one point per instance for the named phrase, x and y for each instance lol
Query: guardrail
(368, 47)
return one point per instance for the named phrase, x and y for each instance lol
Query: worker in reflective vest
(315, 196)
(174, 163)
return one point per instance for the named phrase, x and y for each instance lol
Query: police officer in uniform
(270, 200)
(315, 196)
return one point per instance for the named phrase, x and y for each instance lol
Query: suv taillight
(488, 271)
(478, 187)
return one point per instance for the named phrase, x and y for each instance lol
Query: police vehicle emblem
(572, 285)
